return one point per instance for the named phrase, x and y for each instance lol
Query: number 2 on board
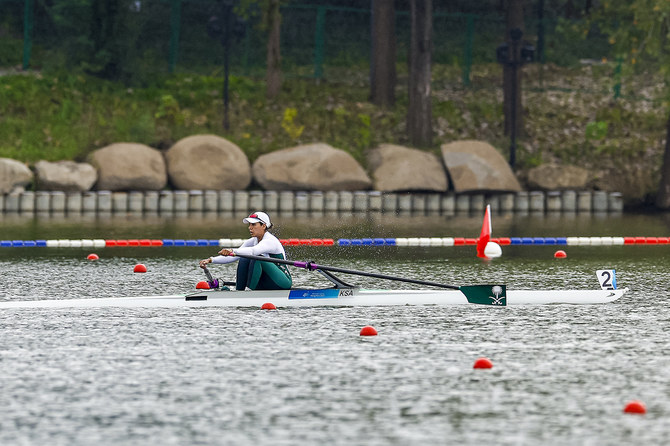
(607, 279)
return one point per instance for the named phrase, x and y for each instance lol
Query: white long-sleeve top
(268, 245)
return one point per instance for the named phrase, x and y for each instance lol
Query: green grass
(570, 115)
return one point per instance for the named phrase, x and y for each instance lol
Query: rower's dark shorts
(259, 275)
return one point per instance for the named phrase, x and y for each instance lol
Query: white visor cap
(258, 217)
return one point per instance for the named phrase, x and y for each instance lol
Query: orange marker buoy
(92, 256)
(560, 254)
(202, 285)
(635, 407)
(140, 268)
(483, 363)
(268, 306)
(368, 331)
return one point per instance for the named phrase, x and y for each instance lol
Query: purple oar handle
(307, 265)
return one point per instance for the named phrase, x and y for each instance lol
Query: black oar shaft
(314, 266)
(208, 274)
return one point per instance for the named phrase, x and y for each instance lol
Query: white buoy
(492, 250)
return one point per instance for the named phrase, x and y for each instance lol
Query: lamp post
(514, 54)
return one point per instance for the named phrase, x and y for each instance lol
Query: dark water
(562, 374)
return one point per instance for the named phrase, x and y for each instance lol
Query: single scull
(342, 294)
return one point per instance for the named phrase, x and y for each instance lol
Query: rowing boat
(216, 294)
(332, 297)
(343, 294)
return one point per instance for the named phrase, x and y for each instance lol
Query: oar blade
(495, 295)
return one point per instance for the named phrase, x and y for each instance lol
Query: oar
(214, 283)
(313, 266)
(476, 294)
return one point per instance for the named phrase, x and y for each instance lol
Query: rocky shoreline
(134, 177)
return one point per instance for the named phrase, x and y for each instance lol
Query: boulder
(207, 162)
(65, 176)
(555, 176)
(477, 166)
(637, 182)
(13, 174)
(129, 166)
(397, 168)
(315, 166)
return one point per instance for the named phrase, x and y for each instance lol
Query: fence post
(467, 56)
(27, 32)
(319, 41)
(175, 24)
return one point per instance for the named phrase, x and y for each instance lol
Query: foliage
(596, 130)
(288, 124)
(65, 116)
(637, 30)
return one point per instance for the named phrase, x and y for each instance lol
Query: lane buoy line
(396, 241)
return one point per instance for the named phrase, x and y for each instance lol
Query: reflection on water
(329, 225)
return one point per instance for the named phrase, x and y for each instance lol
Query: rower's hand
(226, 252)
(204, 262)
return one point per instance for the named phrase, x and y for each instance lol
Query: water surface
(562, 374)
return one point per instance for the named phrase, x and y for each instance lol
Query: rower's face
(256, 229)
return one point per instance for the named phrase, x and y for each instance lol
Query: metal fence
(165, 36)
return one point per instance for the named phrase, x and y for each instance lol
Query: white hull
(326, 297)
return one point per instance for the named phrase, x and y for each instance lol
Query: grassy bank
(571, 115)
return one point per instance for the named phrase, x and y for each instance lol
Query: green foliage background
(588, 104)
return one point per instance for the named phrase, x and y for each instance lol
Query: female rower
(257, 275)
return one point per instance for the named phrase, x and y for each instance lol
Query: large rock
(65, 176)
(554, 176)
(207, 162)
(637, 182)
(397, 168)
(129, 166)
(13, 174)
(315, 166)
(477, 166)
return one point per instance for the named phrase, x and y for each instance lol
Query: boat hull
(326, 297)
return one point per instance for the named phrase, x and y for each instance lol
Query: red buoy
(140, 268)
(560, 254)
(202, 285)
(635, 406)
(483, 363)
(268, 306)
(92, 256)
(368, 331)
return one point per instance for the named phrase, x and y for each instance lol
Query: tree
(382, 66)
(273, 24)
(419, 113)
(639, 30)
(99, 37)
(512, 98)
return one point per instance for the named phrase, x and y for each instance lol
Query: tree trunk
(273, 75)
(512, 104)
(419, 113)
(382, 66)
(106, 58)
(663, 196)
